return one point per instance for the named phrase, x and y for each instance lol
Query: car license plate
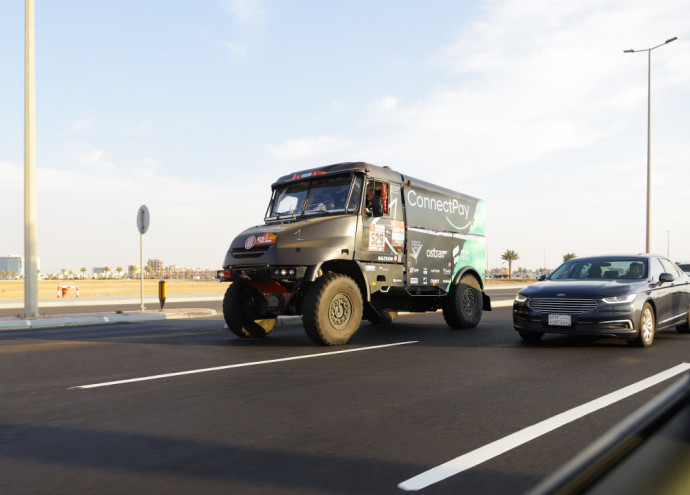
(560, 320)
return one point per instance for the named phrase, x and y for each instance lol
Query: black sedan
(630, 297)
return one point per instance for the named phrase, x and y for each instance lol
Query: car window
(657, 269)
(669, 267)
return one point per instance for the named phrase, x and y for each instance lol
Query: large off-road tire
(332, 309)
(647, 326)
(462, 306)
(240, 307)
(381, 316)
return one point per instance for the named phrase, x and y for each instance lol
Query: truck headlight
(284, 273)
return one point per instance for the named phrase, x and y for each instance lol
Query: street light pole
(30, 249)
(649, 134)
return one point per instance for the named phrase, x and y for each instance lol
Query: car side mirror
(541, 277)
(666, 277)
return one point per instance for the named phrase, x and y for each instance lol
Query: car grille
(562, 305)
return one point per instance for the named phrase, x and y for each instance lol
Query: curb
(17, 323)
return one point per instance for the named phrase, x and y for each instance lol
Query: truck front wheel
(241, 305)
(462, 306)
(332, 309)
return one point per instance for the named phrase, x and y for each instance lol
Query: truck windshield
(318, 196)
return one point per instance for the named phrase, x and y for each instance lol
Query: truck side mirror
(377, 206)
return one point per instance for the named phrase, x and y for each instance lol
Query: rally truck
(353, 240)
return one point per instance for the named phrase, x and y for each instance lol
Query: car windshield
(319, 196)
(684, 266)
(601, 268)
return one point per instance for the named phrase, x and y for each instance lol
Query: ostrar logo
(436, 253)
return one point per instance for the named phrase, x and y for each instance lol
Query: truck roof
(374, 171)
(383, 173)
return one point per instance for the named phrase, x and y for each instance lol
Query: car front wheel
(647, 326)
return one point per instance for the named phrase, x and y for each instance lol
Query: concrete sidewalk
(109, 301)
(76, 319)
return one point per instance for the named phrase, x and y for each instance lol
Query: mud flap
(486, 302)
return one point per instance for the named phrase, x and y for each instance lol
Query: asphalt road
(183, 406)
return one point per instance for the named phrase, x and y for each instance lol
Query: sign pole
(141, 268)
(143, 219)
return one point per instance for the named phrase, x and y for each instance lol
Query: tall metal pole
(30, 249)
(648, 248)
(649, 137)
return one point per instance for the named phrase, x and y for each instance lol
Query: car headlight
(624, 299)
(520, 298)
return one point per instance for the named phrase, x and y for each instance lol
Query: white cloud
(238, 53)
(385, 104)
(84, 123)
(246, 12)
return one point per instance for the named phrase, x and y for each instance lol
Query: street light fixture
(649, 131)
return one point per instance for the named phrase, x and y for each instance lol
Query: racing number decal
(377, 237)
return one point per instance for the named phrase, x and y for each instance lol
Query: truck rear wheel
(462, 306)
(332, 309)
(240, 307)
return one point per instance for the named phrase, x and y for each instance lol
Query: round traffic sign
(143, 219)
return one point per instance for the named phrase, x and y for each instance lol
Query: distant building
(13, 265)
(155, 264)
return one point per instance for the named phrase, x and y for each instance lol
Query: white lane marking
(494, 449)
(240, 365)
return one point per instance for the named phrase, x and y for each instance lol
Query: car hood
(589, 289)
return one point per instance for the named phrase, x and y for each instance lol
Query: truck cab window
(355, 195)
(376, 203)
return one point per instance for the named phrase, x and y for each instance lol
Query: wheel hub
(340, 311)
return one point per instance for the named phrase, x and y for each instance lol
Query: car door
(662, 293)
(680, 295)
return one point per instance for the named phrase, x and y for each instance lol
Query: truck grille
(562, 306)
(255, 252)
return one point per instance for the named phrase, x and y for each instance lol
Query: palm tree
(569, 256)
(107, 271)
(3, 274)
(510, 256)
(119, 271)
(148, 271)
(64, 273)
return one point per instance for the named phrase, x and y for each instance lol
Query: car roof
(619, 256)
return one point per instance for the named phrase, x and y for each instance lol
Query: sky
(195, 108)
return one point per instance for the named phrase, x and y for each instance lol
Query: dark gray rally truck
(353, 240)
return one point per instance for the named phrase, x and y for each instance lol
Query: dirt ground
(14, 289)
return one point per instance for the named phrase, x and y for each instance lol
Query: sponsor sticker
(377, 237)
(398, 233)
(249, 243)
(266, 239)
